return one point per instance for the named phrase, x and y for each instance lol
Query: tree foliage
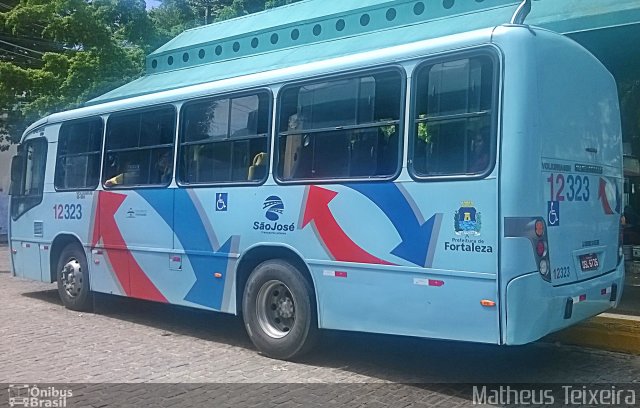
(57, 54)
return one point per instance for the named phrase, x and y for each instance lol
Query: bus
(463, 187)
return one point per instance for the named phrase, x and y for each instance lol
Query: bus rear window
(453, 133)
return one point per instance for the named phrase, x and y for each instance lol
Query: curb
(611, 332)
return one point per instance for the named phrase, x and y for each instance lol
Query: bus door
(136, 208)
(131, 257)
(27, 190)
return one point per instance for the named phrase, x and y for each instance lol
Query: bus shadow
(172, 319)
(395, 359)
(50, 296)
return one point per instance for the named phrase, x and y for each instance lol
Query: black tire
(278, 281)
(73, 279)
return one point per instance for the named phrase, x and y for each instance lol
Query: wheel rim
(276, 309)
(72, 278)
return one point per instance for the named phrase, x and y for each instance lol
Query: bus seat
(258, 168)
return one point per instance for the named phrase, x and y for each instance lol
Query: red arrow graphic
(127, 270)
(335, 240)
(602, 195)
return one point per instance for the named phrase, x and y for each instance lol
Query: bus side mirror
(17, 165)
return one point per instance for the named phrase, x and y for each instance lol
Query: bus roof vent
(309, 22)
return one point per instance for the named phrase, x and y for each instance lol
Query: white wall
(5, 181)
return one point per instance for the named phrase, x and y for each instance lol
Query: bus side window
(225, 140)
(340, 129)
(139, 148)
(453, 115)
(78, 156)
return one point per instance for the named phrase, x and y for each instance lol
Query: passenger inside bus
(130, 172)
(479, 160)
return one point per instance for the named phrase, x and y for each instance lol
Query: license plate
(589, 262)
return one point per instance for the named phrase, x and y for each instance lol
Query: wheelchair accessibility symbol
(221, 201)
(553, 213)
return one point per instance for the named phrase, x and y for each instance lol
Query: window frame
(99, 154)
(106, 151)
(230, 96)
(493, 53)
(14, 198)
(359, 73)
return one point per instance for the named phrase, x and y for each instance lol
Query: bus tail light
(543, 268)
(541, 248)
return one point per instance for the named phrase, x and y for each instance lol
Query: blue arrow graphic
(190, 230)
(416, 246)
(208, 290)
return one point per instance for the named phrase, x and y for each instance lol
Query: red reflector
(434, 282)
(176, 259)
(217, 275)
(487, 303)
(583, 298)
(340, 274)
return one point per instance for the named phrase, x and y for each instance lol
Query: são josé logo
(274, 207)
(467, 220)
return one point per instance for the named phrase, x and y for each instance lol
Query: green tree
(101, 45)
(172, 18)
(57, 54)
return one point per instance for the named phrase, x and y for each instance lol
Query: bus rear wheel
(73, 279)
(279, 310)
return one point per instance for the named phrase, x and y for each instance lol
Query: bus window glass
(345, 128)
(225, 140)
(145, 156)
(78, 160)
(453, 122)
(29, 191)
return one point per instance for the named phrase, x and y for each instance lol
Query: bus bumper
(535, 308)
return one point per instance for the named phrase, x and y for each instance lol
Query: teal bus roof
(308, 31)
(316, 30)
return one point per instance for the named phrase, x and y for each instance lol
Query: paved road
(128, 341)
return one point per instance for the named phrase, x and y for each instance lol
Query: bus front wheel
(279, 310)
(73, 279)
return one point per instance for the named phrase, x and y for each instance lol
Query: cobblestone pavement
(129, 341)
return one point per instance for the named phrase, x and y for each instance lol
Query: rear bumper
(535, 308)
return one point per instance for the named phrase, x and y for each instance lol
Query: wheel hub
(275, 309)
(72, 277)
(285, 308)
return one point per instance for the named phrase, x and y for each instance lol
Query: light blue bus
(340, 172)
